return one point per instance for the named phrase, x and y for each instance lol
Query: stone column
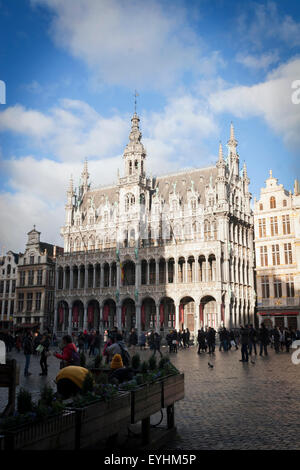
(167, 265)
(101, 329)
(64, 278)
(71, 278)
(218, 269)
(70, 321)
(157, 322)
(94, 276)
(102, 276)
(156, 272)
(176, 270)
(85, 318)
(55, 320)
(86, 277)
(119, 317)
(177, 325)
(148, 273)
(138, 319)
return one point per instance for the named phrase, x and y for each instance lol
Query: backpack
(125, 356)
(75, 358)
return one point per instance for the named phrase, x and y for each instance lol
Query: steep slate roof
(183, 180)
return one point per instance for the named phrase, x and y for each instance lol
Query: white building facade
(277, 247)
(8, 279)
(171, 251)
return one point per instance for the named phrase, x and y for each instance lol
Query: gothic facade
(163, 252)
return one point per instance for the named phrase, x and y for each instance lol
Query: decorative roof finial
(135, 97)
(220, 152)
(271, 174)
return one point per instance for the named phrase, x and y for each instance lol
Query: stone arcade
(160, 252)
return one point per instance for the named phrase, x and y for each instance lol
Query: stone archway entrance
(187, 314)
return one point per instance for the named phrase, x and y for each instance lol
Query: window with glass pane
(31, 260)
(39, 277)
(20, 302)
(290, 290)
(22, 278)
(29, 302)
(30, 277)
(262, 227)
(277, 288)
(288, 253)
(275, 255)
(274, 226)
(286, 227)
(272, 202)
(38, 297)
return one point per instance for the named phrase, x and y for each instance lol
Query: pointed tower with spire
(135, 154)
(85, 177)
(69, 204)
(233, 156)
(220, 180)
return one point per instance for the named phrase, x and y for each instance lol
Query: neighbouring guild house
(171, 251)
(8, 279)
(277, 247)
(35, 286)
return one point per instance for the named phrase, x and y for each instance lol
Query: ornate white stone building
(162, 252)
(277, 246)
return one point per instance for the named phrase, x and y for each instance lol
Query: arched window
(130, 167)
(261, 207)
(272, 202)
(129, 201)
(136, 165)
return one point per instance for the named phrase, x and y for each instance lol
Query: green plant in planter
(139, 379)
(152, 363)
(98, 361)
(136, 361)
(102, 378)
(88, 384)
(144, 367)
(163, 361)
(47, 395)
(24, 401)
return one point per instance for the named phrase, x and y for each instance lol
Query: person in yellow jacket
(69, 380)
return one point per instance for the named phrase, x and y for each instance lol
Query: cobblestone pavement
(233, 405)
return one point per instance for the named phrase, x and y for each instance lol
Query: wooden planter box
(99, 420)
(173, 389)
(145, 401)
(57, 432)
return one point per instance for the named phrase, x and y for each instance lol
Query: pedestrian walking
(244, 338)
(276, 336)
(157, 341)
(45, 343)
(201, 341)
(142, 341)
(263, 339)
(288, 339)
(70, 355)
(252, 340)
(211, 340)
(184, 339)
(28, 350)
(188, 335)
(97, 343)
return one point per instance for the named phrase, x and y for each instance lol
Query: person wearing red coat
(67, 352)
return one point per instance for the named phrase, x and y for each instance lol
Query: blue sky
(71, 68)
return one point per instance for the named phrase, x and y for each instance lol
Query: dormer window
(261, 207)
(284, 203)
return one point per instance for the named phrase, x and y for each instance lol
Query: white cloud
(263, 21)
(133, 43)
(258, 62)
(270, 100)
(30, 122)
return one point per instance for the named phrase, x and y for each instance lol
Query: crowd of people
(249, 339)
